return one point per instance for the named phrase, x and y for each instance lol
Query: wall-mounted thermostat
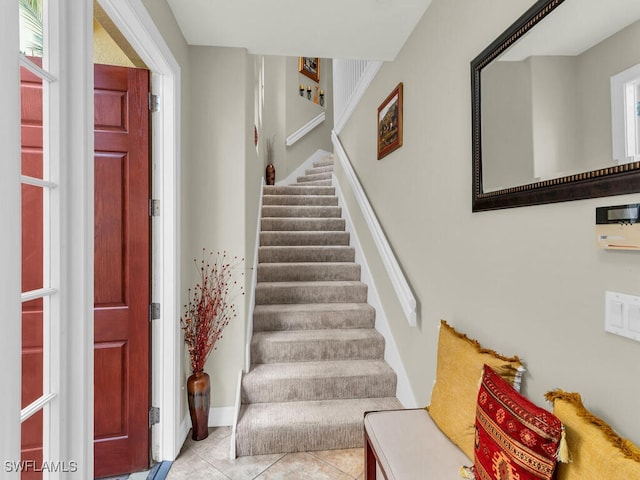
(618, 227)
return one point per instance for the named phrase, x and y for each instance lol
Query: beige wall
(301, 110)
(285, 111)
(524, 281)
(105, 50)
(215, 182)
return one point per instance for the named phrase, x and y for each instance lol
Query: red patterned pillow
(515, 439)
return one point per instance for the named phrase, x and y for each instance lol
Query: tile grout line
(332, 465)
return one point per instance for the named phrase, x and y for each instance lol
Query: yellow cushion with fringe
(595, 449)
(458, 373)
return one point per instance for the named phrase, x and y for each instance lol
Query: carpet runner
(317, 361)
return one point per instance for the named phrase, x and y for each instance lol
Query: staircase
(317, 361)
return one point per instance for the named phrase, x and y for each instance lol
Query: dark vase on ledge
(199, 396)
(271, 174)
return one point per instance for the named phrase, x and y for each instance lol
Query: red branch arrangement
(210, 306)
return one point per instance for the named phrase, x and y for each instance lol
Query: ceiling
(561, 34)
(354, 29)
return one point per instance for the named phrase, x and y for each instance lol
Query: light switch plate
(622, 315)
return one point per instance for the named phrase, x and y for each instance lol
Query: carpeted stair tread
(322, 169)
(306, 425)
(326, 380)
(305, 253)
(316, 345)
(302, 224)
(308, 271)
(313, 316)
(327, 200)
(317, 360)
(310, 211)
(324, 163)
(270, 293)
(295, 238)
(314, 177)
(298, 190)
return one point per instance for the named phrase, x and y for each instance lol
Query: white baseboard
(404, 392)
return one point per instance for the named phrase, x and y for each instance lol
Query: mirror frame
(616, 180)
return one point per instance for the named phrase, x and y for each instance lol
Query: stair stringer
(404, 392)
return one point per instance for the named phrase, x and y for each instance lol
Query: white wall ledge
(306, 128)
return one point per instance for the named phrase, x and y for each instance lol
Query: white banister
(306, 128)
(398, 280)
(351, 78)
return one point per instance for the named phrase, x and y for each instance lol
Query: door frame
(135, 23)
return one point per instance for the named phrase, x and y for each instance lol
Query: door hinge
(154, 311)
(154, 103)
(154, 207)
(154, 416)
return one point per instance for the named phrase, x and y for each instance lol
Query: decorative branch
(210, 306)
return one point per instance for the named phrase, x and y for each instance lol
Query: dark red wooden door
(121, 315)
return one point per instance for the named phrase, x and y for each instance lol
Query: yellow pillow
(595, 449)
(458, 374)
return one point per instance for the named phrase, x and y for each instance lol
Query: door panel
(121, 283)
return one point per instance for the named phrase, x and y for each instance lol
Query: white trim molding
(306, 128)
(133, 20)
(398, 280)
(10, 242)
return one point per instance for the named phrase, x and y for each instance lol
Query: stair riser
(275, 294)
(298, 190)
(316, 183)
(303, 238)
(371, 386)
(312, 351)
(303, 224)
(318, 170)
(324, 200)
(306, 254)
(277, 272)
(290, 438)
(308, 211)
(312, 320)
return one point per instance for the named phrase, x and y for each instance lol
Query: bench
(435, 443)
(408, 445)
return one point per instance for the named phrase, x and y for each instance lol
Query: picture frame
(310, 67)
(390, 123)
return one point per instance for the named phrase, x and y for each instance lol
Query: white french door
(46, 283)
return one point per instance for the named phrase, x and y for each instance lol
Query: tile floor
(209, 459)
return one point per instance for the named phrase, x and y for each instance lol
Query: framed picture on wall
(390, 123)
(310, 66)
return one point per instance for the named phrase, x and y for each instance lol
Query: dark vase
(199, 395)
(271, 174)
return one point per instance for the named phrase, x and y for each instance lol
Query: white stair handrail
(306, 128)
(398, 280)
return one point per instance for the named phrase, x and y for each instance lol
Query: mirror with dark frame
(556, 106)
